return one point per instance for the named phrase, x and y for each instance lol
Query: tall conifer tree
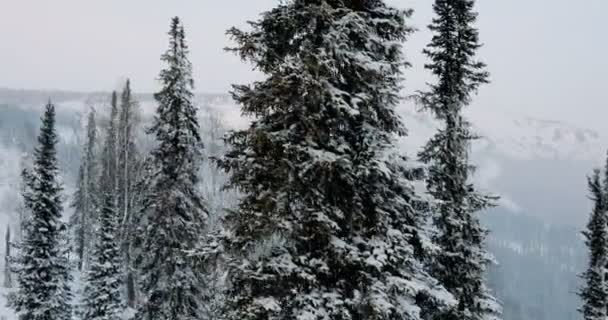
(326, 228)
(174, 212)
(594, 293)
(128, 119)
(43, 268)
(462, 258)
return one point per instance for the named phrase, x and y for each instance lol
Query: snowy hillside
(517, 137)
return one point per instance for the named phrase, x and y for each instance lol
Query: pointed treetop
(126, 91)
(175, 23)
(48, 137)
(177, 54)
(91, 121)
(114, 99)
(49, 108)
(452, 53)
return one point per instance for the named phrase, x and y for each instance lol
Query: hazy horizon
(540, 123)
(542, 54)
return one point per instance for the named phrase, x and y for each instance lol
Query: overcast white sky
(548, 58)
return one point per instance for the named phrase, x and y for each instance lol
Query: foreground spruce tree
(102, 297)
(43, 269)
(326, 228)
(462, 258)
(82, 222)
(594, 294)
(174, 213)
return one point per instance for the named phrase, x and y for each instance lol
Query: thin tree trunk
(8, 281)
(130, 281)
(81, 240)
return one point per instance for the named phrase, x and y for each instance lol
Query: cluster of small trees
(329, 224)
(108, 183)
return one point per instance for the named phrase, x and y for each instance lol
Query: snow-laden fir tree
(594, 293)
(42, 266)
(103, 291)
(174, 214)
(326, 228)
(462, 259)
(82, 222)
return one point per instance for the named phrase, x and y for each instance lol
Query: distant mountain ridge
(514, 156)
(512, 136)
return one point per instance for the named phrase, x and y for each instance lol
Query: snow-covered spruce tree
(82, 222)
(103, 299)
(174, 214)
(462, 259)
(326, 228)
(43, 269)
(594, 294)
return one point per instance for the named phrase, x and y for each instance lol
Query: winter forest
(324, 189)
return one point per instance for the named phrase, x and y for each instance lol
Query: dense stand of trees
(328, 223)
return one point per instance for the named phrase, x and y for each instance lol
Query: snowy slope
(517, 137)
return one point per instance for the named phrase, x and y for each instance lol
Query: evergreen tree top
(114, 101)
(45, 152)
(344, 57)
(126, 94)
(452, 52)
(178, 75)
(175, 123)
